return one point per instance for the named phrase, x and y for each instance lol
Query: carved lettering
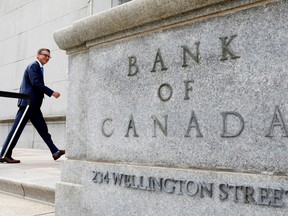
(248, 192)
(159, 59)
(208, 187)
(192, 188)
(228, 132)
(162, 127)
(187, 51)
(171, 187)
(193, 124)
(263, 196)
(168, 88)
(235, 190)
(117, 178)
(133, 67)
(277, 196)
(141, 183)
(226, 49)
(131, 125)
(224, 191)
(225, 130)
(154, 184)
(127, 181)
(98, 177)
(133, 185)
(187, 88)
(277, 121)
(237, 193)
(103, 131)
(180, 191)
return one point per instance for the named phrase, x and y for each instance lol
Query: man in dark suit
(33, 85)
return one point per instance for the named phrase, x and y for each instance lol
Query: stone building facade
(26, 26)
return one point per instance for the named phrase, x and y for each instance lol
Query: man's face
(43, 57)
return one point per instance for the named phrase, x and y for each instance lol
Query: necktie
(42, 69)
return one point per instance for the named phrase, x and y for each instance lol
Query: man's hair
(42, 49)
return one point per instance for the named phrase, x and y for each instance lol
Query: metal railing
(14, 95)
(18, 96)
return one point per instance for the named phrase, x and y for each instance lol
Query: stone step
(12, 205)
(34, 178)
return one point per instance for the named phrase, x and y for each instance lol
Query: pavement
(28, 188)
(14, 206)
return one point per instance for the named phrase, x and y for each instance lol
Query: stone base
(143, 190)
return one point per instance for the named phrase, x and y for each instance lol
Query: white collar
(39, 63)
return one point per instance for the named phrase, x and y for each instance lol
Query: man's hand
(56, 94)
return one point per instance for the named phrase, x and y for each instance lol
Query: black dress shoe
(9, 160)
(58, 155)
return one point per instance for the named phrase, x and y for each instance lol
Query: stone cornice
(137, 13)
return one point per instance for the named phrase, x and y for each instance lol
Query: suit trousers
(36, 118)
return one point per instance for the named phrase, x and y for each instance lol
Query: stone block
(136, 190)
(155, 100)
(182, 109)
(68, 199)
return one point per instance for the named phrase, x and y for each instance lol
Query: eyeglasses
(47, 56)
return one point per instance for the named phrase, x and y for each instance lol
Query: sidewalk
(34, 178)
(14, 206)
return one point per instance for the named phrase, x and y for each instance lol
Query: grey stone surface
(16, 206)
(41, 193)
(124, 17)
(72, 171)
(34, 178)
(11, 187)
(138, 109)
(110, 198)
(76, 111)
(251, 85)
(69, 200)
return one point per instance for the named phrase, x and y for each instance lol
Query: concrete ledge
(30, 191)
(124, 17)
(135, 14)
(11, 187)
(34, 178)
(41, 193)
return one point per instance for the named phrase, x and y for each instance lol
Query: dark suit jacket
(33, 85)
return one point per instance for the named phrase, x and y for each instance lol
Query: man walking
(33, 85)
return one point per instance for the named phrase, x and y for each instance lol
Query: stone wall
(182, 110)
(26, 26)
